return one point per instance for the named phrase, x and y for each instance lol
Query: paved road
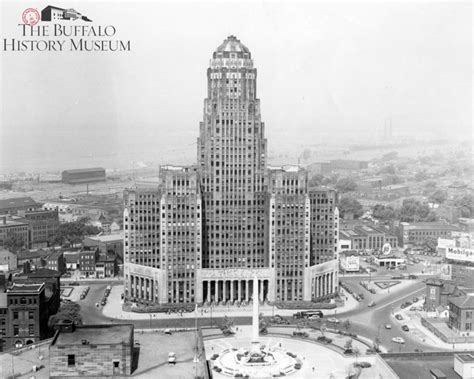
(365, 321)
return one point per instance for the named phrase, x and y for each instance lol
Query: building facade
(204, 233)
(417, 233)
(43, 224)
(461, 315)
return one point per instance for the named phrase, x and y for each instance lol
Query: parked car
(333, 320)
(398, 317)
(405, 328)
(372, 304)
(388, 326)
(398, 340)
(362, 364)
(324, 339)
(300, 334)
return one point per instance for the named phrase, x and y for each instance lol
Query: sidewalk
(113, 309)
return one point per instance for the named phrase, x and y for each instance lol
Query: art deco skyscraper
(232, 153)
(205, 232)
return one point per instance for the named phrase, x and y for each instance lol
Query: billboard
(460, 254)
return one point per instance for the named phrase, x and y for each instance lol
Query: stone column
(231, 290)
(224, 290)
(208, 291)
(239, 288)
(246, 290)
(216, 291)
(261, 290)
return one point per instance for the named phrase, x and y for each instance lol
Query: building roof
(25, 288)
(83, 170)
(466, 358)
(107, 238)
(232, 44)
(71, 256)
(45, 273)
(106, 258)
(55, 254)
(429, 226)
(464, 302)
(17, 202)
(27, 254)
(96, 335)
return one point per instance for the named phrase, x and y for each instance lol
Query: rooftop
(25, 288)
(95, 335)
(466, 358)
(429, 225)
(465, 302)
(232, 44)
(81, 170)
(17, 202)
(418, 366)
(107, 238)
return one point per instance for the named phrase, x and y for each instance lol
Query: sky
(326, 71)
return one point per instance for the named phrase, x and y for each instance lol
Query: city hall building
(204, 232)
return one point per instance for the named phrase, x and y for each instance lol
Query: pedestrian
(313, 368)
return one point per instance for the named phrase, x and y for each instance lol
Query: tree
(390, 156)
(316, 180)
(466, 204)
(71, 233)
(13, 242)
(413, 210)
(346, 324)
(349, 205)
(67, 311)
(384, 212)
(389, 169)
(430, 244)
(344, 185)
(439, 196)
(420, 176)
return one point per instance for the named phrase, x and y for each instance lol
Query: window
(16, 330)
(71, 360)
(31, 330)
(15, 315)
(31, 315)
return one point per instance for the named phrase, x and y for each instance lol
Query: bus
(308, 314)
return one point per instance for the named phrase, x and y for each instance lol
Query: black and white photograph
(236, 189)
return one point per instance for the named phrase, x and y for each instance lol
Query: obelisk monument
(255, 320)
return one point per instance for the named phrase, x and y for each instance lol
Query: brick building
(8, 259)
(55, 261)
(43, 224)
(92, 351)
(87, 260)
(461, 315)
(417, 233)
(24, 312)
(364, 236)
(9, 226)
(106, 266)
(108, 243)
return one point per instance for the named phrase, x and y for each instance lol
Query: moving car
(171, 358)
(398, 340)
(405, 328)
(388, 326)
(333, 320)
(362, 364)
(398, 317)
(372, 304)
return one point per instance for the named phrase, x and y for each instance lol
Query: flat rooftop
(25, 288)
(418, 366)
(107, 237)
(95, 335)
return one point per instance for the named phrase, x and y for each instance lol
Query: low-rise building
(87, 261)
(43, 224)
(8, 259)
(9, 226)
(55, 261)
(464, 365)
(106, 266)
(24, 312)
(108, 243)
(365, 236)
(418, 233)
(461, 315)
(12, 206)
(71, 260)
(92, 351)
(437, 293)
